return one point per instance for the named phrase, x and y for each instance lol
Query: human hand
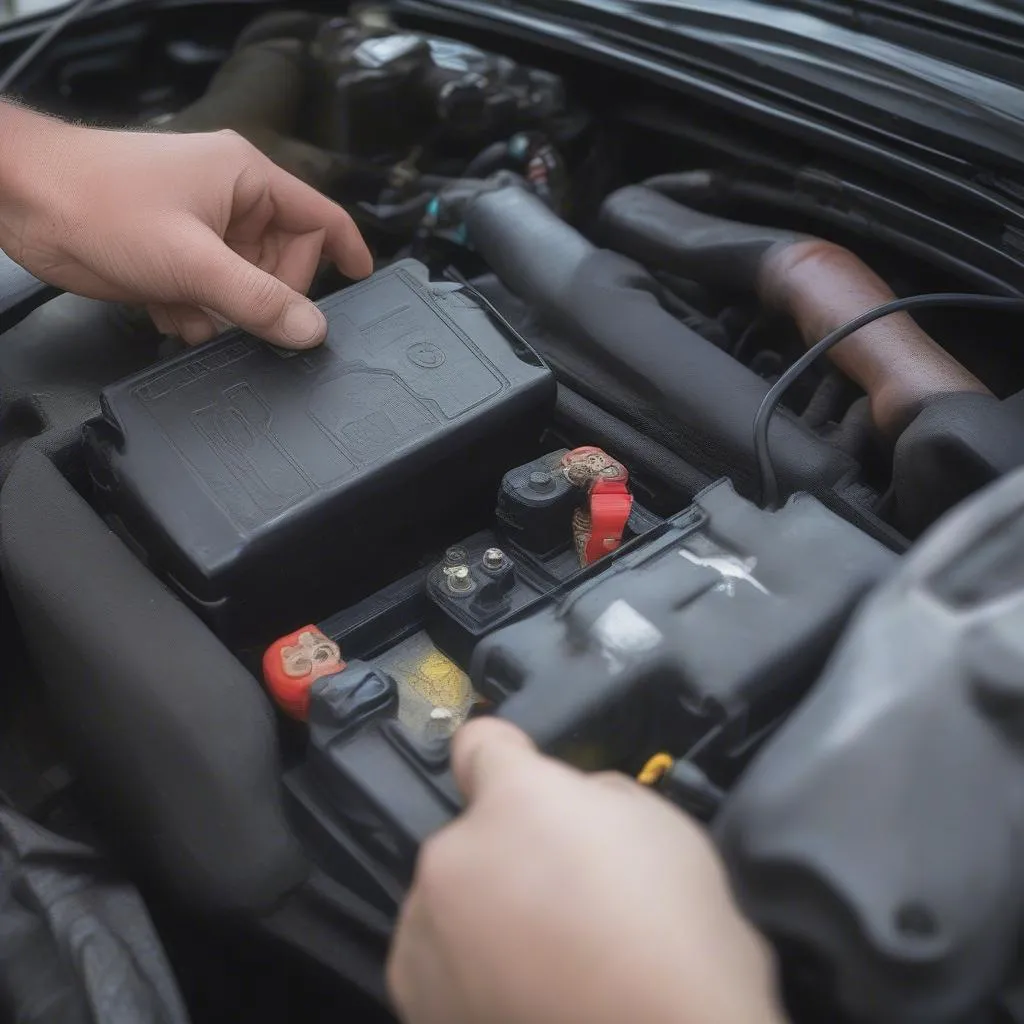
(202, 229)
(559, 897)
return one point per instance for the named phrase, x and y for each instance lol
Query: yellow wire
(655, 770)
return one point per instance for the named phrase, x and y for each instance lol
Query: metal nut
(459, 579)
(456, 556)
(494, 558)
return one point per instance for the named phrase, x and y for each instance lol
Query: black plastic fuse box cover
(251, 476)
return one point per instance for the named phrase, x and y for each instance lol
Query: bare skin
(559, 897)
(201, 229)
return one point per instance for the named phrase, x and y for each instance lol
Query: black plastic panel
(245, 472)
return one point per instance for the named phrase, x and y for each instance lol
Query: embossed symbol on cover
(237, 429)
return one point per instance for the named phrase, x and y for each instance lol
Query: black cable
(14, 71)
(769, 479)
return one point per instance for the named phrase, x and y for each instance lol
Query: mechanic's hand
(558, 898)
(202, 229)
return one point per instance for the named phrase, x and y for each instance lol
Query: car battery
(689, 641)
(421, 628)
(263, 484)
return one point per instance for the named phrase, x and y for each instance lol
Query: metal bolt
(541, 481)
(494, 558)
(441, 723)
(459, 579)
(456, 556)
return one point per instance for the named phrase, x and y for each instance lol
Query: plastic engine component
(915, 732)
(614, 342)
(694, 637)
(718, 624)
(248, 474)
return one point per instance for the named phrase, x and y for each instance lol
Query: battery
(266, 485)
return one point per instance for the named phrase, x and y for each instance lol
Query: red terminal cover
(610, 507)
(599, 528)
(292, 664)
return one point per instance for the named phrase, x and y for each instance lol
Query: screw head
(540, 481)
(494, 558)
(441, 723)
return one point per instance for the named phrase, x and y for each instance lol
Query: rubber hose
(532, 250)
(259, 92)
(301, 25)
(818, 283)
(610, 333)
(956, 254)
(487, 161)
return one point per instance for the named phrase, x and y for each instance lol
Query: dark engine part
(20, 293)
(675, 608)
(818, 283)
(694, 637)
(956, 446)
(380, 90)
(604, 327)
(78, 942)
(167, 727)
(260, 92)
(247, 474)
(881, 827)
(339, 101)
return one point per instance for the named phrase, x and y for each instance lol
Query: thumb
(487, 751)
(232, 288)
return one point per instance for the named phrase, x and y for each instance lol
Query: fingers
(161, 319)
(298, 260)
(301, 209)
(486, 751)
(294, 263)
(616, 781)
(192, 325)
(418, 980)
(235, 290)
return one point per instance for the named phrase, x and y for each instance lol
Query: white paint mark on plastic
(731, 568)
(623, 634)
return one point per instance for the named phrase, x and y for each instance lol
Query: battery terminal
(599, 527)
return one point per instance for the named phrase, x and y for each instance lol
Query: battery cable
(762, 452)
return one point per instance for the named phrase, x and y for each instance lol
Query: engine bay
(522, 477)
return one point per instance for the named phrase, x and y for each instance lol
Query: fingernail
(304, 325)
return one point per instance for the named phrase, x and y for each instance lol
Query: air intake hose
(259, 92)
(609, 337)
(819, 284)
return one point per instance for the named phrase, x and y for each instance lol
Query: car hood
(915, 97)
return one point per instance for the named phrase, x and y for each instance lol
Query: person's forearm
(24, 136)
(37, 167)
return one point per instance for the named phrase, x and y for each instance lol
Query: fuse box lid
(237, 450)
